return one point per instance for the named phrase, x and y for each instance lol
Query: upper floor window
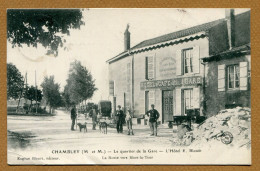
(188, 61)
(233, 76)
(149, 67)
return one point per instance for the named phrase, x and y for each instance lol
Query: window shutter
(243, 69)
(196, 59)
(111, 88)
(221, 77)
(178, 102)
(146, 68)
(151, 97)
(196, 97)
(179, 62)
(150, 64)
(141, 107)
(128, 76)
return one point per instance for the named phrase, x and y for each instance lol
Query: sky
(102, 37)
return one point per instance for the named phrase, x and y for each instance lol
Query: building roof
(175, 35)
(178, 34)
(236, 51)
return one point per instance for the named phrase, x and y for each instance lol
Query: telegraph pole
(36, 92)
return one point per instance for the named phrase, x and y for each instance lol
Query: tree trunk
(30, 106)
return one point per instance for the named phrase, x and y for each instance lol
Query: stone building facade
(175, 72)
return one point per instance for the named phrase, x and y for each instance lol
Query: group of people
(122, 118)
(93, 114)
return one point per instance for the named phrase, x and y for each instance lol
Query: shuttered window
(233, 76)
(149, 67)
(188, 61)
(111, 88)
(221, 77)
(243, 78)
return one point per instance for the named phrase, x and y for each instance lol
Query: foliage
(30, 94)
(80, 84)
(66, 97)
(91, 106)
(42, 26)
(40, 110)
(15, 82)
(51, 92)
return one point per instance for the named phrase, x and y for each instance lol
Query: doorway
(167, 105)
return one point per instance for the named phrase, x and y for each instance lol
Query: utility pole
(26, 86)
(36, 92)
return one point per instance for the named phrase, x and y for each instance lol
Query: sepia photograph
(129, 86)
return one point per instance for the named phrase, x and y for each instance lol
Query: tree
(15, 82)
(42, 26)
(66, 97)
(51, 92)
(31, 94)
(80, 83)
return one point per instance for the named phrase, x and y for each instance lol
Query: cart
(193, 116)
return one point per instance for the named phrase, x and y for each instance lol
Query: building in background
(178, 71)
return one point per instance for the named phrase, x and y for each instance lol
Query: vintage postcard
(129, 86)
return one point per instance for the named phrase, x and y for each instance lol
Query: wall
(167, 54)
(216, 100)
(118, 73)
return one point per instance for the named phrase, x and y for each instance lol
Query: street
(44, 134)
(49, 140)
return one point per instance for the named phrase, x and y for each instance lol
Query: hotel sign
(186, 81)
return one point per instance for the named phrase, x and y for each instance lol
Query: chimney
(230, 17)
(127, 38)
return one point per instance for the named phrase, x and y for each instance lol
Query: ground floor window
(187, 99)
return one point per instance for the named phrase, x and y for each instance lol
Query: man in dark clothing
(119, 119)
(94, 118)
(153, 116)
(73, 115)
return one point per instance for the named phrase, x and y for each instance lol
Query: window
(233, 76)
(146, 68)
(149, 68)
(187, 99)
(188, 58)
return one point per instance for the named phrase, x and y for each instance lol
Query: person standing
(129, 122)
(119, 119)
(153, 116)
(73, 116)
(94, 118)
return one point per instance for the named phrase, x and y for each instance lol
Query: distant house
(169, 71)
